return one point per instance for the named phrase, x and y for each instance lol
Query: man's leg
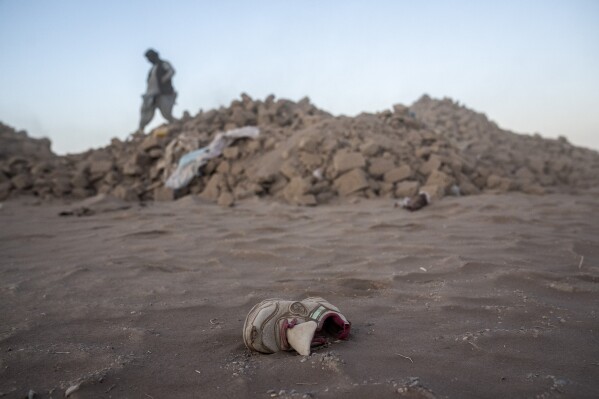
(147, 112)
(165, 103)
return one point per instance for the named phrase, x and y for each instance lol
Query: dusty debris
(437, 146)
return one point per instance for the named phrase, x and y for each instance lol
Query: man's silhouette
(160, 93)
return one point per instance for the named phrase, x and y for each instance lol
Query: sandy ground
(483, 296)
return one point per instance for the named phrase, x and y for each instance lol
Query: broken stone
(112, 178)
(440, 179)
(422, 152)
(351, 182)
(296, 189)
(61, 186)
(379, 166)
(42, 184)
(310, 161)
(310, 143)
(212, 190)
(384, 189)
(226, 199)
(156, 153)
(278, 184)
(131, 169)
(500, 184)
(524, 174)
(400, 109)
(80, 180)
(344, 161)
(433, 163)
(41, 168)
(223, 167)
(99, 168)
(231, 152)
(122, 192)
(289, 168)
(254, 146)
(537, 164)
(370, 149)
(237, 168)
(151, 142)
(22, 181)
(466, 186)
(398, 174)
(79, 192)
(406, 189)
(434, 191)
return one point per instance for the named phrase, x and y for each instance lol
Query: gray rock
(22, 181)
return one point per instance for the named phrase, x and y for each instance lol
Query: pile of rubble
(306, 156)
(523, 162)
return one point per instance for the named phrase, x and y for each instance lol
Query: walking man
(160, 93)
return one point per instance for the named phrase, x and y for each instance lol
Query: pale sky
(74, 71)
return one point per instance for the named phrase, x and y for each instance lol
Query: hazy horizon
(74, 72)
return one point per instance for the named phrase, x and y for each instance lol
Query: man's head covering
(151, 53)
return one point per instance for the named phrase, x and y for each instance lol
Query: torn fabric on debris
(190, 163)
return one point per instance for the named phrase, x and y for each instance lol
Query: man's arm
(169, 71)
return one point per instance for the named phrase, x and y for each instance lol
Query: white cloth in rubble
(190, 163)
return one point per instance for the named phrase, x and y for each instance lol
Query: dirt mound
(307, 156)
(18, 143)
(529, 162)
(22, 158)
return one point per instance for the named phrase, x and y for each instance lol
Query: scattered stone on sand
(306, 156)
